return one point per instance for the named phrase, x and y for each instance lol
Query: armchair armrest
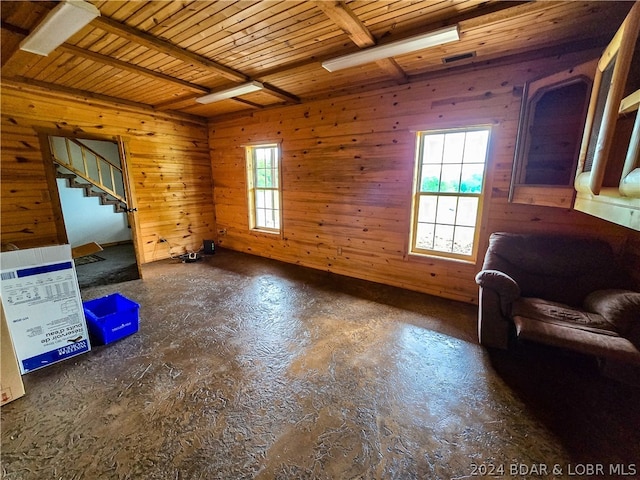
(497, 291)
(501, 283)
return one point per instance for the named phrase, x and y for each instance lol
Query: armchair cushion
(539, 310)
(502, 283)
(620, 307)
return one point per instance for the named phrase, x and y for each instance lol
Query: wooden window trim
(413, 252)
(251, 188)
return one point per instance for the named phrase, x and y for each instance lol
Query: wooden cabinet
(552, 120)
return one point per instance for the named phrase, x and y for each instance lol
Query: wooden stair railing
(105, 198)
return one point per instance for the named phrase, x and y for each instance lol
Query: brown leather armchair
(564, 291)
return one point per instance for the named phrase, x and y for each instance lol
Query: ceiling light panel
(66, 19)
(231, 92)
(393, 49)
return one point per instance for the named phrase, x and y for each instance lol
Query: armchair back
(559, 268)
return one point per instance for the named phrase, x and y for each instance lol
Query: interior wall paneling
(168, 163)
(347, 166)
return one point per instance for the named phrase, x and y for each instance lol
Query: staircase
(105, 198)
(84, 168)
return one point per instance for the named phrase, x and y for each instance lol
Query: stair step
(67, 176)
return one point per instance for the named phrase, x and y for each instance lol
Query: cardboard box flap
(86, 249)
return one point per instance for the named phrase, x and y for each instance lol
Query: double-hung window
(263, 171)
(450, 171)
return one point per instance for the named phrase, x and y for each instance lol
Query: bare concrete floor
(118, 265)
(249, 368)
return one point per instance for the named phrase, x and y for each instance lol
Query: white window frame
(264, 215)
(414, 248)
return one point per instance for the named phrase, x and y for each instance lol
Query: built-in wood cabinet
(550, 130)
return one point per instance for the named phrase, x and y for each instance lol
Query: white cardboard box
(42, 303)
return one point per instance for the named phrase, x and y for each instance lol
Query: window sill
(266, 232)
(430, 257)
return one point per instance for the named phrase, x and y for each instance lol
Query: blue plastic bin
(111, 318)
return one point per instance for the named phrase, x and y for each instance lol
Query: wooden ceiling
(165, 54)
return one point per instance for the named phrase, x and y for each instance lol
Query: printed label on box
(44, 313)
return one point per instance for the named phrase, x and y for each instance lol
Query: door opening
(95, 205)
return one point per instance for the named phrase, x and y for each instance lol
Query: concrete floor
(118, 265)
(248, 368)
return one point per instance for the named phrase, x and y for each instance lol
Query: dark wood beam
(154, 43)
(277, 92)
(104, 59)
(52, 87)
(394, 70)
(349, 23)
(247, 102)
(177, 103)
(29, 84)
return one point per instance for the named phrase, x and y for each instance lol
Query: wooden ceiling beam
(177, 103)
(104, 59)
(248, 103)
(52, 87)
(349, 23)
(38, 86)
(486, 14)
(16, 31)
(186, 100)
(394, 70)
(277, 92)
(154, 43)
(500, 12)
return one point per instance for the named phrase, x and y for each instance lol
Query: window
(448, 191)
(263, 170)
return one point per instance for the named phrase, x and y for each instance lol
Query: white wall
(88, 221)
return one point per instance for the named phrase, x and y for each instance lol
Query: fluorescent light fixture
(66, 19)
(393, 49)
(231, 92)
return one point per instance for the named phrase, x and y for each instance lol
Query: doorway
(91, 190)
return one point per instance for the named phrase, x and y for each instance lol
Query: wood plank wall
(348, 171)
(168, 161)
